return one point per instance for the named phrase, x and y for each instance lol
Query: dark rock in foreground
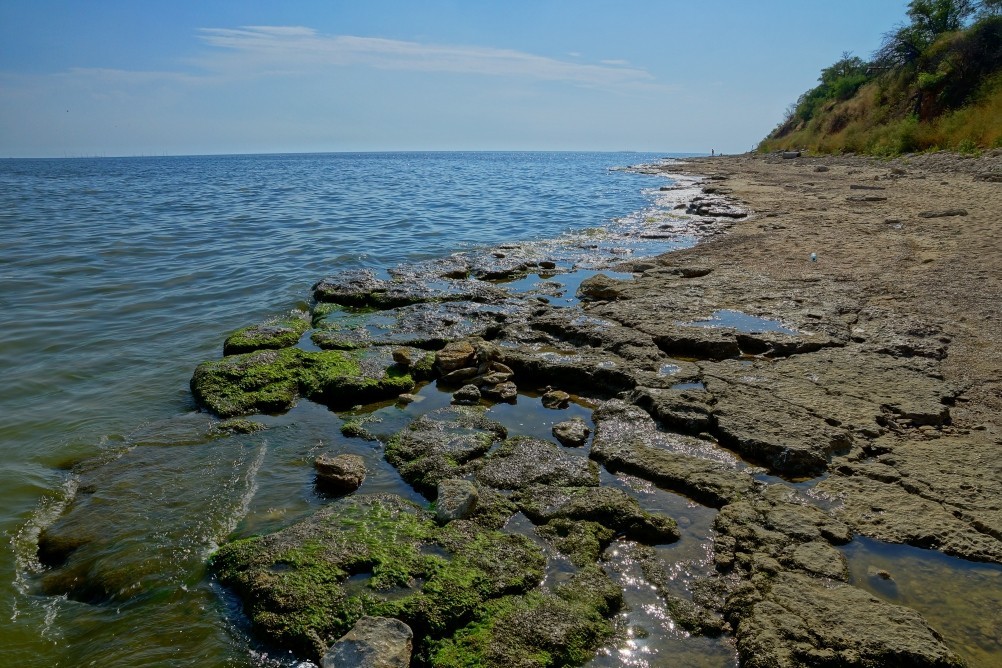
(469, 594)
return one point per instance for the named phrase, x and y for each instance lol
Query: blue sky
(111, 77)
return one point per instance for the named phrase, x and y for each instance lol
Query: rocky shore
(826, 363)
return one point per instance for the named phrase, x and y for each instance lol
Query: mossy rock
(271, 335)
(562, 627)
(523, 461)
(582, 542)
(265, 381)
(271, 381)
(439, 445)
(343, 379)
(305, 586)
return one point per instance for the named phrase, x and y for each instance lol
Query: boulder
(556, 399)
(374, 642)
(572, 433)
(455, 355)
(456, 500)
(339, 475)
(467, 395)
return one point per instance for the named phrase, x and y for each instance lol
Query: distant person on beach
(712, 152)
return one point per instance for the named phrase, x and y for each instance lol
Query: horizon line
(356, 152)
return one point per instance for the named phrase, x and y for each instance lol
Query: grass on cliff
(945, 95)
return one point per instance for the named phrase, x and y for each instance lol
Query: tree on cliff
(929, 20)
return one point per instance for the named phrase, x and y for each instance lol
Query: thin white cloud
(284, 48)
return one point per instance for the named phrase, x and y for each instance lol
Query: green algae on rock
(265, 381)
(561, 627)
(271, 381)
(439, 444)
(271, 335)
(305, 586)
(523, 461)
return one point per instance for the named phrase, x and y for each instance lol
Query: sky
(142, 77)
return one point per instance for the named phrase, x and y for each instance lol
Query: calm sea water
(117, 276)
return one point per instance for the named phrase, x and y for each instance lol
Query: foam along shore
(824, 370)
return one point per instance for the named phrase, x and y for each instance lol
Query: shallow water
(960, 599)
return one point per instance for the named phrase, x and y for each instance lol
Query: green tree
(929, 20)
(935, 17)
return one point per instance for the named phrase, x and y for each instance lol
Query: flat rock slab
(425, 325)
(798, 620)
(607, 506)
(522, 461)
(361, 287)
(794, 414)
(626, 439)
(942, 491)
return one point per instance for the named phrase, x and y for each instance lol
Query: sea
(119, 275)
